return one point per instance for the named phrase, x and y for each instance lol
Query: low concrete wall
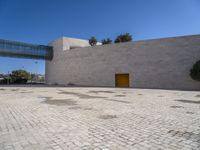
(162, 63)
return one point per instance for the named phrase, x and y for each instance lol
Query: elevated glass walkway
(24, 50)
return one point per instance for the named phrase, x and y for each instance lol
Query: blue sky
(41, 21)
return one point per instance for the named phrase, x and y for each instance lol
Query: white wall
(162, 63)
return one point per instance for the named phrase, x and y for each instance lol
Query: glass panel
(19, 49)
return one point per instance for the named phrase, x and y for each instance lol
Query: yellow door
(122, 80)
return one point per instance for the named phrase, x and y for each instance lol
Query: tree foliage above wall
(93, 41)
(106, 41)
(195, 71)
(123, 38)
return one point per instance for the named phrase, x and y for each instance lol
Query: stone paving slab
(53, 118)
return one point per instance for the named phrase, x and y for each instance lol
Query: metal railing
(24, 50)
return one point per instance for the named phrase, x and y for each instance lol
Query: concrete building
(161, 63)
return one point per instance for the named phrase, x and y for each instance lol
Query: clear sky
(41, 21)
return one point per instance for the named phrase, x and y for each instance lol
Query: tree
(195, 71)
(123, 38)
(20, 76)
(106, 41)
(93, 41)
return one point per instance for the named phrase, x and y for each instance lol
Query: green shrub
(20, 76)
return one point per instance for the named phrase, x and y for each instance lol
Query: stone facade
(161, 63)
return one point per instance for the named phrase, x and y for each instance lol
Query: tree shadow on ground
(59, 102)
(188, 101)
(81, 96)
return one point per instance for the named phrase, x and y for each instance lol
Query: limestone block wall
(162, 63)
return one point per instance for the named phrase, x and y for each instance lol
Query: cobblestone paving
(37, 118)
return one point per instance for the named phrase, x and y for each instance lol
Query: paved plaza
(58, 118)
